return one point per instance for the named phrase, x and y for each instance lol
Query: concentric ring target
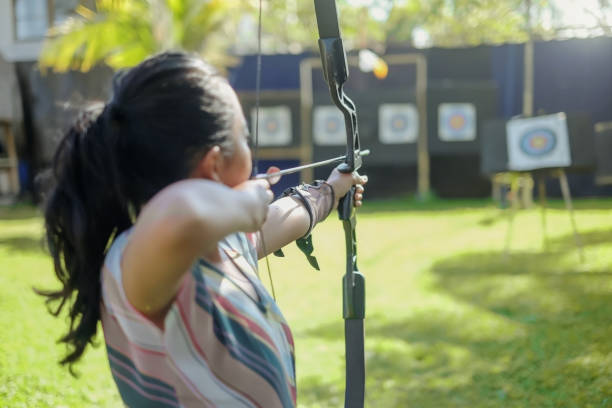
(328, 126)
(538, 142)
(271, 125)
(457, 121)
(274, 125)
(399, 122)
(332, 124)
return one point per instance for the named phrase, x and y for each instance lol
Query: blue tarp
(572, 75)
(278, 72)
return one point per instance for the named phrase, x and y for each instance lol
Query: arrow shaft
(292, 170)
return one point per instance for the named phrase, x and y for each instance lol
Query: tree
(290, 25)
(462, 22)
(122, 33)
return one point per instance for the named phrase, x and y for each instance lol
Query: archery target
(398, 123)
(456, 122)
(538, 143)
(274, 125)
(328, 127)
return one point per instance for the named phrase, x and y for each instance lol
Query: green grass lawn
(451, 321)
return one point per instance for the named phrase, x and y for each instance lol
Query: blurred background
(486, 236)
(434, 81)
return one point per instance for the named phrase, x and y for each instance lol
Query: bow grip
(346, 205)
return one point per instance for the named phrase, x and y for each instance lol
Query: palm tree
(121, 33)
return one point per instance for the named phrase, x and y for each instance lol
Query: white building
(23, 26)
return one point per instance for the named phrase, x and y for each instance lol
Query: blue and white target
(398, 123)
(456, 122)
(328, 127)
(274, 125)
(540, 142)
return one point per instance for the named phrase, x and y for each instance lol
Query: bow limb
(335, 70)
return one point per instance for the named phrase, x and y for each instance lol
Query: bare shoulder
(161, 247)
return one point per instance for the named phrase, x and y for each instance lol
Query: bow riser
(335, 71)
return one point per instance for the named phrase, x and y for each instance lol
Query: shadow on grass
(588, 238)
(21, 211)
(23, 244)
(410, 203)
(532, 329)
(315, 390)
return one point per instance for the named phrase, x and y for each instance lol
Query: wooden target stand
(521, 186)
(603, 152)
(8, 163)
(525, 179)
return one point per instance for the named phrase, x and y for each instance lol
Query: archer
(152, 223)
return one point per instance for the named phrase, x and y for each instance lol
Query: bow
(335, 71)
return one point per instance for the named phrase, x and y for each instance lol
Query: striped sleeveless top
(224, 341)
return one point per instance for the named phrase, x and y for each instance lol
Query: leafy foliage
(121, 33)
(464, 22)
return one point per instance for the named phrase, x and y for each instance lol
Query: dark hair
(164, 115)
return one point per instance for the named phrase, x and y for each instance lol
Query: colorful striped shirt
(224, 341)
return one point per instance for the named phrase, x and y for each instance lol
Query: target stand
(603, 153)
(9, 174)
(541, 175)
(535, 148)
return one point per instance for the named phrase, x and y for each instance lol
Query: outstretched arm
(288, 219)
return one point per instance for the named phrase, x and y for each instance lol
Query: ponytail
(166, 113)
(84, 210)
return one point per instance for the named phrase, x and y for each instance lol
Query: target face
(398, 123)
(538, 143)
(328, 127)
(457, 122)
(274, 125)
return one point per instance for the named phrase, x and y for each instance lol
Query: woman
(152, 225)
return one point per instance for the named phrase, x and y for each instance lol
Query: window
(31, 19)
(34, 17)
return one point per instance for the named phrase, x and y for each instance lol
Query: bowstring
(256, 158)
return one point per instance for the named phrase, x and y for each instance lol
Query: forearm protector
(318, 200)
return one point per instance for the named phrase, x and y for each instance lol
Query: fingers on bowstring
(273, 179)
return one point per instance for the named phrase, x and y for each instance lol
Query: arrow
(291, 170)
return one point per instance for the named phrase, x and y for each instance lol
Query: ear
(209, 165)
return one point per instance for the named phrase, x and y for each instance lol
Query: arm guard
(318, 199)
